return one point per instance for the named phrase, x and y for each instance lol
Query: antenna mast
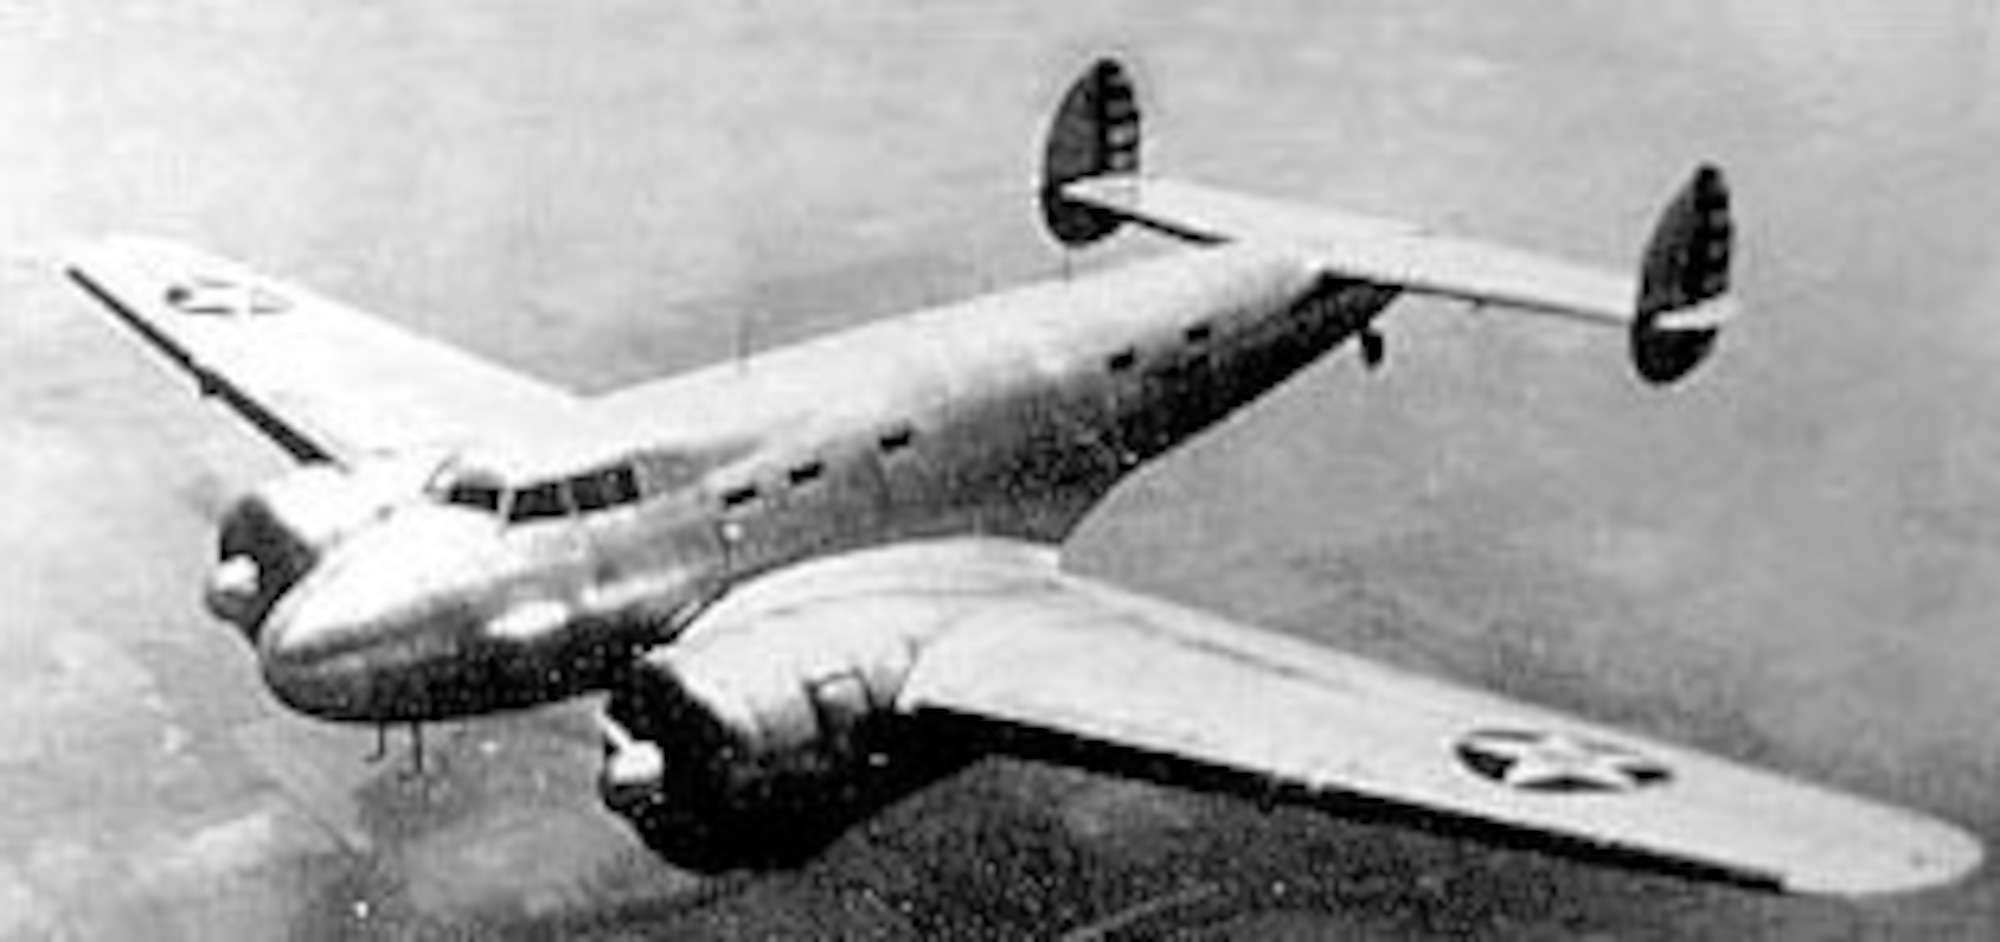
(746, 324)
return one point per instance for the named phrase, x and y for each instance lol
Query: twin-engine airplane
(818, 578)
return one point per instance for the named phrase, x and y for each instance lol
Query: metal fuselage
(1009, 415)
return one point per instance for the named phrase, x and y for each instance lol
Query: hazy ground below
(1794, 559)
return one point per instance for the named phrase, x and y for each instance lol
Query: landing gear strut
(416, 747)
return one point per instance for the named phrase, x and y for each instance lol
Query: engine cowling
(758, 748)
(272, 536)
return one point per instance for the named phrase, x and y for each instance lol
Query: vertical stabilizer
(1095, 132)
(1684, 280)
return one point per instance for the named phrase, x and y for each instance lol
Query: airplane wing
(324, 381)
(1008, 635)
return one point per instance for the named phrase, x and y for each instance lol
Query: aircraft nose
(357, 641)
(341, 654)
(317, 651)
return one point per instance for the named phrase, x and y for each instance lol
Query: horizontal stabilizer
(1674, 307)
(1384, 251)
(1674, 310)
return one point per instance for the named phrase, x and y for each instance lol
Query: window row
(896, 439)
(1196, 334)
(583, 493)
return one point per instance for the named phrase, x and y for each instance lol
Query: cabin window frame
(453, 482)
(606, 488)
(557, 488)
(739, 497)
(806, 473)
(896, 439)
(495, 496)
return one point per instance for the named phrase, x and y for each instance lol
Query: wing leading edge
(322, 380)
(1018, 640)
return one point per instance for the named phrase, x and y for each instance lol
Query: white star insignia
(221, 297)
(1544, 761)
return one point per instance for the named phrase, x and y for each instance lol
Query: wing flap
(323, 380)
(1089, 661)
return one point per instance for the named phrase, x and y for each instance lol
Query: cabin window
(538, 502)
(607, 488)
(462, 486)
(1122, 360)
(807, 473)
(898, 438)
(474, 494)
(587, 491)
(738, 496)
(622, 484)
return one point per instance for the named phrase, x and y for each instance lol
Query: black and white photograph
(1101, 470)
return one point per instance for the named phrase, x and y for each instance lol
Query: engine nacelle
(270, 537)
(759, 747)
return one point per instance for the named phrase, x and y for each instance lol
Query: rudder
(1095, 132)
(1684, 280)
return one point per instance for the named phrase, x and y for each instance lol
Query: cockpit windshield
(538, 502)
(479, 489)
(608, 487)
(479, 495)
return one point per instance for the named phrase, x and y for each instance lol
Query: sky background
(1793, 559)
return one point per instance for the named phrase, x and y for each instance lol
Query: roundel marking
(220, 297)
(1551, 762)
